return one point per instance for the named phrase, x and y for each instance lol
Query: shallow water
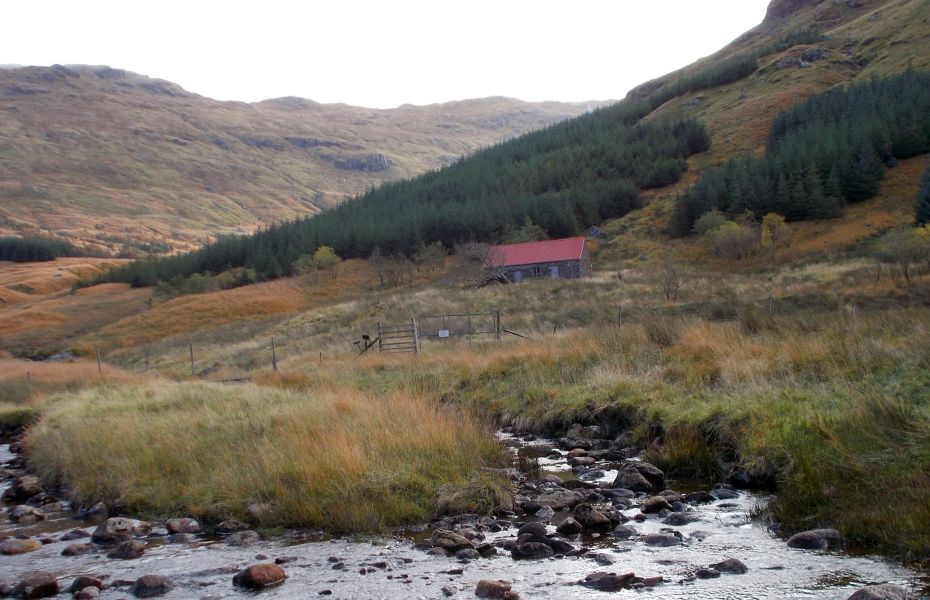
(725, 529)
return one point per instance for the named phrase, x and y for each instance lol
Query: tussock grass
(336, 457)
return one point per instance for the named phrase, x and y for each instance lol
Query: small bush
(662, 332)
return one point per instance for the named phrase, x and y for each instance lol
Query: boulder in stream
(183, 525)
(591, 519)
(37, 585)
(493, 589)
(78, 549)
(733, 566)
(449, 541)
(26, 515)
(119, 529)
(150, 586)
(816, 539)
(242, 538)
(884, 591)
(640, 477)
(18, 546)
(260, 576)
(127, 550)
(531, 551)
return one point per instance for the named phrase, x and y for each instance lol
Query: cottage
(566, 259)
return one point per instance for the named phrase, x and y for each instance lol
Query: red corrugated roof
(529, 253)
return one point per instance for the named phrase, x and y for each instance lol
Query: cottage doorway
(518, 277)
(554, 271)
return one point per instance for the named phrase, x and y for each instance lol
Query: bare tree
(477, 265)
(669, 276)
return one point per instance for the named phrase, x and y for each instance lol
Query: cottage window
(537, 271)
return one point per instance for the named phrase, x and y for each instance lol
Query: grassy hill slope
(104, 157)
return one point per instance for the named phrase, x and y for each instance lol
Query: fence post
(380, 337)
(416, 336)
(497, 324)
(191, 346)
(274, 357)
(99, 370)
(620, 315)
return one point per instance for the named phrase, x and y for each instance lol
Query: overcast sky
(380, 54)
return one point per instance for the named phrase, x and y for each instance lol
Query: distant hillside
(104, 157)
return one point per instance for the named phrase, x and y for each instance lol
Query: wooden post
(380, 337)
(191, 346)
(620, 315)
(274, 357)
(497, 324)
(99, 370)
(321, 359)
(771, 306)
(416, 335)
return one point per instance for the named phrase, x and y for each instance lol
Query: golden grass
(336, 458)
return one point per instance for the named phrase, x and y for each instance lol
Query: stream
(398, 566)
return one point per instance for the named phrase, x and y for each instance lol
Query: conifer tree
(922, 205)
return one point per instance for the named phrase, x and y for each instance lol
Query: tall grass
(336, 457)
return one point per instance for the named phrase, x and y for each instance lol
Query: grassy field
(334, 457)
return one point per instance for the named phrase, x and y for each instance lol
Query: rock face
(371, 163)
(16, 546)
(149, 586)
(640, 477)
(118, 529)
(779, 9)
(816, 539)
(449, 541)
(260, 576)
(37, 585)
(885, 591)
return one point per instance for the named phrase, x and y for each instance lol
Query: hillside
(106, 158)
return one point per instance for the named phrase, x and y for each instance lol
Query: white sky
(384, 53)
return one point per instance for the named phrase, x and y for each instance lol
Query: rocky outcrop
(370, 163)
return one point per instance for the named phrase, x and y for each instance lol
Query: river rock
(182, 538)
(707, 573)
(258, 511)
(17, 546)
(231, 526)
(260, 576)
(545, 513)
(654, 504)
(242, 538)
(183, 525)
(127, 550)
(84, 581)
(149, 586)
(623, 532)
(37, 585)
(97, 512)
(556, 499)
(732, 566)
(569, 527)
(608, 582)
(119, 529)
(591, 519)
(88, 593)
(679, 519)
(816, 539)
(640, 477)
(661, 539)
(884, 591)
(449, 541)
(25, 487)
(492, 589)
(533, 527)
(25, 514)
(699, 498)
(531, 551)
(78, 549)
(581, 461)
(724, 491)
(75, 534)
(576, 452)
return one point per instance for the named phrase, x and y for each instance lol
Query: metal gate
(403, 337)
